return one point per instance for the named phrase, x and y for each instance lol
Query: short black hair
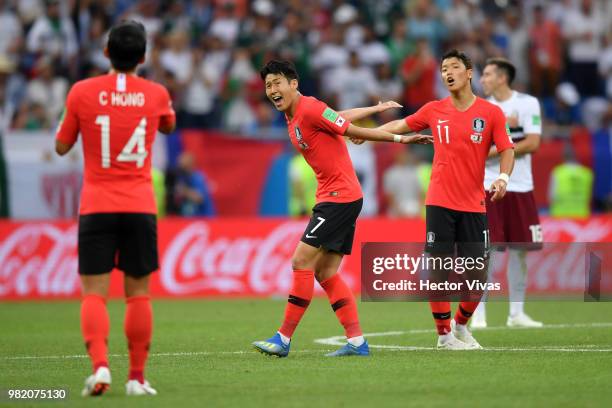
(460, 55)
(278, 67)
(127, 44)
(505, 66)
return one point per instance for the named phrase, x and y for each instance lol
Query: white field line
(341, 340)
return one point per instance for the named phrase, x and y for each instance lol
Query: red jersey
(316, 131)
(117, 116)
(461, 144)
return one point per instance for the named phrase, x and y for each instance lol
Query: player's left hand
(356, 141)
(417, 139)
(383, 106)
(499, 189)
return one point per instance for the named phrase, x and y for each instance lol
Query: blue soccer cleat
(349, 350)
(274, 346)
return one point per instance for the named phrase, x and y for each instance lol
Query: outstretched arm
(378, 135)
(360, 113)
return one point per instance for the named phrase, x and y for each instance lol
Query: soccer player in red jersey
(118, 116)
(464, 128)
(316, 132)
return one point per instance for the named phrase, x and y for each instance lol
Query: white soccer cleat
(135, 387)
(522, 320)
(462, 333)
(450, 342)
(97, 383)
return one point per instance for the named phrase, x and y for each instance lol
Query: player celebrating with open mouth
(464, 127)
(316, 132)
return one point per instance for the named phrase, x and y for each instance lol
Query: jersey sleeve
(532, 120)
(68, 127)
(420, 119)
(325, 118)
(500, 132)
(167, 117)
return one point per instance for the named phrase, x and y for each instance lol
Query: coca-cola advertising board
(217, 257)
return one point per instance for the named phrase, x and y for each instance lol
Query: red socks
(298, 301)
(138, 327)
(343, 303)
(465, 311)
(441, 313)
(95, 326)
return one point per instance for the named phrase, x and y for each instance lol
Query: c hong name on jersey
(123, 99)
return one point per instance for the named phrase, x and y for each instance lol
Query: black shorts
(332, 226)
(126, 241)
(450, 232)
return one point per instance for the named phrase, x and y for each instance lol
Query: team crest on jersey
(431, 237)
(300, 139)
(478, 124)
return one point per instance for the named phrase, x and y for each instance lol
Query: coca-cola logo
(39, 259)
(195, 262)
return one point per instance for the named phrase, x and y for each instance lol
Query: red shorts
(514, 220)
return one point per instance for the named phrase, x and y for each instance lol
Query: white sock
(286, 340)
(480, 314)
(445, 337)
(356, 341)
(517, 280)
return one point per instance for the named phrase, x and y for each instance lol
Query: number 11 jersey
(461, 144)
(118, 116)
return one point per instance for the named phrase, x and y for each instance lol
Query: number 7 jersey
(461, 144)
(118, 116)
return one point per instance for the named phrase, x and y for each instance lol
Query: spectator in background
(328, 56)
(47, 90)
(605, 66)
(401, 185)
(12, 88)
(515, 43)
(201, 91)
(353, 85)
(545, 54)
(389, 88)
(190, 193)
(419, 72)
(424, 23)
(11, 33)
(399, 44)
(461, 17)
(55, 37)
(372, 52)
(201, 12)
(178, 56)
(31, 116)
(583, 29)
(562, 112)
(225, 25)
(570, 188)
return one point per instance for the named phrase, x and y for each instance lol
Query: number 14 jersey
(118, 116)
(461, 144)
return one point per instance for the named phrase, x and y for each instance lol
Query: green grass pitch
(201, 356)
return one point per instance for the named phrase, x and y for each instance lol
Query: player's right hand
(383, 106)
(417, 139)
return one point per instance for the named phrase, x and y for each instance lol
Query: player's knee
(299, 261)
(322, 274)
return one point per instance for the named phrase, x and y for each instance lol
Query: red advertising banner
(217, 257)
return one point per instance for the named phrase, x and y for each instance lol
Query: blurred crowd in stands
(348, 53)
